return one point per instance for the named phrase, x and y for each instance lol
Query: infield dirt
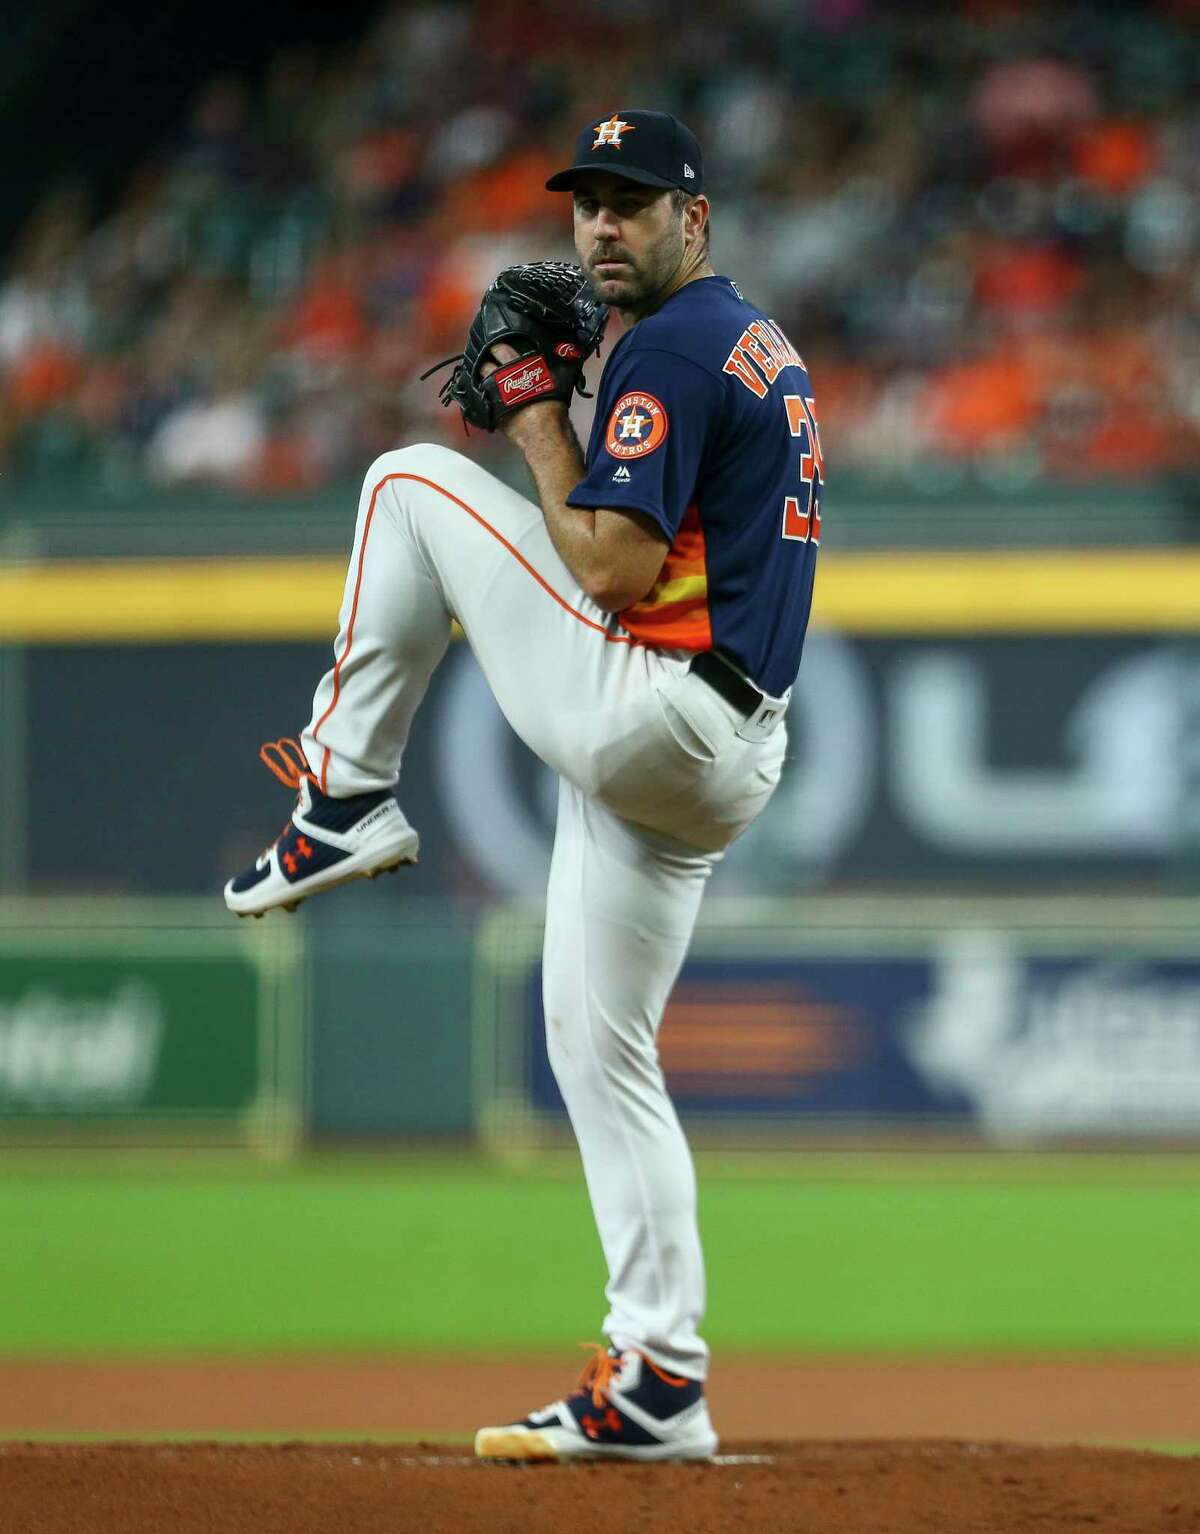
(873, 1446)
(868, 1488)
(1105, 1400)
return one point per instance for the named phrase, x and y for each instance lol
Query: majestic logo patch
(610, 132)
(621, 475)
(637, 425)
(524, 380)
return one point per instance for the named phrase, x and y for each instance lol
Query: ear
(696, 216)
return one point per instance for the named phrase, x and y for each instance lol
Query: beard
(636, 282)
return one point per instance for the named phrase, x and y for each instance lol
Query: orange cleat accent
(597, 1373)
(291, 768)
(678, 1380)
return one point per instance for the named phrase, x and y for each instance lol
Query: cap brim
(564, 180)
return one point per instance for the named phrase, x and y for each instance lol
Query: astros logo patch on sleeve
(637, 425)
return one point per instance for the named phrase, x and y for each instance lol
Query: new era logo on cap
(688, 171)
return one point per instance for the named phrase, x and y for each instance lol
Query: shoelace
(599, 1370)
(597, 1373)
(291, 769)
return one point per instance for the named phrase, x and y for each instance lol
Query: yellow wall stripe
(144, 600)
(1051, 591)
(1045, 591)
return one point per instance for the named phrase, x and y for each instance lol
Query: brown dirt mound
(880, 1487)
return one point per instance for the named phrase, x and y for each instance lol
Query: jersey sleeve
(654, 417)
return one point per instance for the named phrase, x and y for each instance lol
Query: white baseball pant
(655, 783)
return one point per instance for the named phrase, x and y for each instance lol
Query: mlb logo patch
(638, 425)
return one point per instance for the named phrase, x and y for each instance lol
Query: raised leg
(438, 537)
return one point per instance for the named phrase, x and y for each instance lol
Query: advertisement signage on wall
(1002, 1028)
(119, 1020)
(1061, 1043)
(965, 760)
(775, 1039)
(101, 1036)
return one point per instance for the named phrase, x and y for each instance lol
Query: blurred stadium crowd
(980, 222)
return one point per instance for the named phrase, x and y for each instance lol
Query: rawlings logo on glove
(545, 311)
(522, 381)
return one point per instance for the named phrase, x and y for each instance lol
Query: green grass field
(821, 1251)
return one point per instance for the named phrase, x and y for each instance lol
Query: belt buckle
(766, 718)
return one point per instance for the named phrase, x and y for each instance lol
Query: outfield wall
(1025, 723)
(171, 1023)
(1010, 1020)
(982, 761)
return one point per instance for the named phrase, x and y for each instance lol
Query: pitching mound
(359, 1489)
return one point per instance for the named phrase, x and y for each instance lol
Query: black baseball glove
(545, 310)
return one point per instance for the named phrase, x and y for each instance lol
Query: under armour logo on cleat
(621, 476)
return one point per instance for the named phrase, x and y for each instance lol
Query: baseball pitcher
(641, 625)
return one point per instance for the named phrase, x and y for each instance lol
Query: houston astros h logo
(610, 132)
(637, 425)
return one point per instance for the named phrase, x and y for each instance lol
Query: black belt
(723, 679)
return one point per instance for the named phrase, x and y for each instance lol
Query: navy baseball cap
(651, 147)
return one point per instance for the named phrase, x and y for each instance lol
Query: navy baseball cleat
(624, 1407)
(327, 841)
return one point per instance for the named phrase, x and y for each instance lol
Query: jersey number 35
(802, 513)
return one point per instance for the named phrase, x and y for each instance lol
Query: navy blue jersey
(704, 422)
